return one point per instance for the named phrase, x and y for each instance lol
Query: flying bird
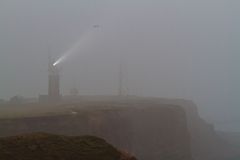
(96, 26)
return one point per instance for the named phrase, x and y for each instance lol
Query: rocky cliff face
(206, 144)
(148, 129)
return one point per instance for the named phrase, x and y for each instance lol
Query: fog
(175, 49)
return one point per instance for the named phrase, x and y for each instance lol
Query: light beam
(84, 40)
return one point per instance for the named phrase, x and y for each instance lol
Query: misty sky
(169, 48)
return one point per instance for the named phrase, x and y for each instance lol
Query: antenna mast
(120, 87)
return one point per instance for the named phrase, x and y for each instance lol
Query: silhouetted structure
(53, 82)
(120, 87)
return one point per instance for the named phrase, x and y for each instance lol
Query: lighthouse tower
(53, 82)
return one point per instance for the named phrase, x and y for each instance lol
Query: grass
(41, 146)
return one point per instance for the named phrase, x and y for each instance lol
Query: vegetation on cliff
(42, 146)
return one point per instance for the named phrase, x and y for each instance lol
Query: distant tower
(120, 85)
(53, 82)
(122, 80)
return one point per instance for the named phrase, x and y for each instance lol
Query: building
(53, 82)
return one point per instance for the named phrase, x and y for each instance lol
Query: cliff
(144, 127)
(206, 144)
(42, 146)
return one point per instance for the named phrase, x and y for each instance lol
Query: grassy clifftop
(42, 146)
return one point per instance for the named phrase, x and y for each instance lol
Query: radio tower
(120, 87)
(122, 80)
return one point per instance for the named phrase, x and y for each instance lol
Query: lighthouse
(53, 82)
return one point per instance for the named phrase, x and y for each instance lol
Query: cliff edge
(147, 128)
(43, 146)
